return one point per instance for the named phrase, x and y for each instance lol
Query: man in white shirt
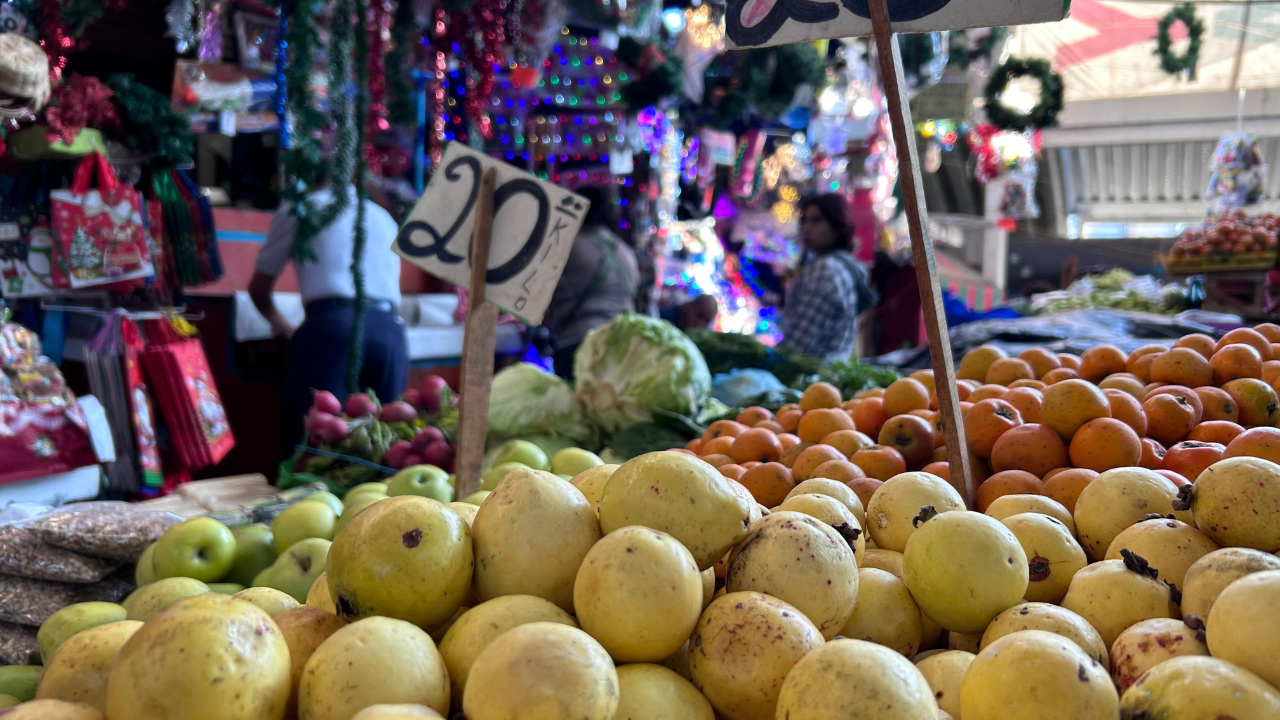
(318, 348)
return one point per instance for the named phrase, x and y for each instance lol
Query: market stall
(702, 522)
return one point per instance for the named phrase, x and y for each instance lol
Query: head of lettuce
(526, 401)
(635, 364)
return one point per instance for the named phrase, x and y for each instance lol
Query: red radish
(396, 454)
(412, 459)
(398, 411)
(326, 402)
(434, 390)
(334, 430)
(317, 419)
(361, 405)
(426, 436)
(438, 453)
(413, 397)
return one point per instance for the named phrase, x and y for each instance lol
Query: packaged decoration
(1238, 173)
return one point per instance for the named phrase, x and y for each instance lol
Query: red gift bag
(99, 231)
(188, 399)
(140, 406)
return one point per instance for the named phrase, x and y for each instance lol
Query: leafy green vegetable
(642, 438)
(526, 400)
(635, 364)
(725, 352)
(851, 376)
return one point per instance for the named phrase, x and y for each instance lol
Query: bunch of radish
(329, 421)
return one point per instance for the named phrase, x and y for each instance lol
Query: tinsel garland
(401, 104)
(379, 19)
(54, 38)
(355, 346)
(757, 185)
(439, 64)
(282, 91)
(1174, 64)
(151, 126)
(302, 162)
(79, 103)
(484, 53)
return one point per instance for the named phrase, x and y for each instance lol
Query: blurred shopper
(598, 284)
(831, 289)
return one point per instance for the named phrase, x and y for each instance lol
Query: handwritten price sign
(759, 23)
(534, 225)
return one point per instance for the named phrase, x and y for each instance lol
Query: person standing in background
(831, 289)
(698, 312)
(598, 284)
(318, 348)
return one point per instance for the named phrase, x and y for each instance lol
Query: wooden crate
(1218, 263)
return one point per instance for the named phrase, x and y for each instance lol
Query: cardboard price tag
(946, 100)
(760, 23)
(534, 225)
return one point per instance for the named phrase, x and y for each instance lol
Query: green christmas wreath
(1175, 64)
(1045, 112)
(962, 55)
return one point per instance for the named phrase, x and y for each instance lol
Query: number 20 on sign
(534, 225)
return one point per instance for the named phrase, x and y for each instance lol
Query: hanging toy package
(1238, 173)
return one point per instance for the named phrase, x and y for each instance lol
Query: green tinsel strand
(151, 126)
(355, 347)
(401, 103)
(302, 160)
(78, 15)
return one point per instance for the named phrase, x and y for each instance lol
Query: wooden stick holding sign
(521, 230)
(935, 318)
(478, 342)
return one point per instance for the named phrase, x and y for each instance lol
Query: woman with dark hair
(832, 287)
(598, 284)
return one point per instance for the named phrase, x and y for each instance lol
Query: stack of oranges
(1039, 423)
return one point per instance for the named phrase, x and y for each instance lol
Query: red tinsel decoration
(989, 163)
(54, 41)
(379, 26)
(82, 102)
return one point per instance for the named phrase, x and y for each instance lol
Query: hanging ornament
(210, 50)
(699, 43)
(1041, 115)
(746, 180)
(179, 15)
(1186, 63)
(439, 64)
(932, 156)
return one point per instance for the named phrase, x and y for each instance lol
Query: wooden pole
(935, 318)
(478, 344)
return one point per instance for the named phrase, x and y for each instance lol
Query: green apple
(255, 551)
(151, 599)
(225, 588)
(301, 521)
(366, 499)
(200, 548)
(72, 619)
(20, 681)
(523, 452)
(571, 461)
(263, 579)
(145, 573)
(490, 478)
(327, 498)
(298, 567)
(427, 481)
(476, 498)
(453, 481)
(566, 478)
(364, 487)
(8, 701)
